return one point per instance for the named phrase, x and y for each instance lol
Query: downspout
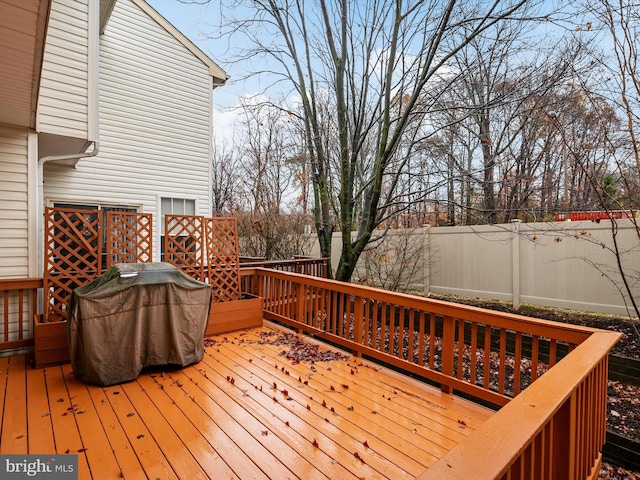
(40, 196)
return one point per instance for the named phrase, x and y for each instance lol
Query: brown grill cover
(136, 315)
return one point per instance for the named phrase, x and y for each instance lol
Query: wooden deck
(244, 411)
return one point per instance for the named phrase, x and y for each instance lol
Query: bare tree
(225, 179)
(395, 262)
(264, 150)
(611, 91)
(381, 65)
(268, 165)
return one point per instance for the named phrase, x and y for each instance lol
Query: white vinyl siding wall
(63, 107)
(14, 203)
(155, 122)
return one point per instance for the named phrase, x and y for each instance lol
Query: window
(173, 206)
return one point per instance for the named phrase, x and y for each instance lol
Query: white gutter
(70, 156)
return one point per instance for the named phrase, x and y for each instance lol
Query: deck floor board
(398, 418)
(347, 427)
(146, 447)
(244, 411)
(40, 437)
(14, 421)
(274, 415)
(95, 442)
(257, 426)
(63, 412)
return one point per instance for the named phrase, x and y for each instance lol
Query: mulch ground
(623, 415)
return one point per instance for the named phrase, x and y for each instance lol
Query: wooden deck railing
(553, 429)
(315, 267)
(551, 422)
(18, 302)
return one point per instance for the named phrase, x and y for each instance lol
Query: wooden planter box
(235, 315)
(50, 342)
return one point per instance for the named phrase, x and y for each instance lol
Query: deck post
(448, 340)
(515, 264)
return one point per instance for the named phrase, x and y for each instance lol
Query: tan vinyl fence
(569, 265)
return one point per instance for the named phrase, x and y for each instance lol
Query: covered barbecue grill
(133, 316)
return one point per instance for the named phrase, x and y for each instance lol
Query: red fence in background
(593, 215)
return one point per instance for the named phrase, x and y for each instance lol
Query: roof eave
(218, 74)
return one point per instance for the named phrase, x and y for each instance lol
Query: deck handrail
(316, 267)
(550, 425)
(19, 300)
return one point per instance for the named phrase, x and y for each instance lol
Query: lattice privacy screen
(184, 244)
(205, 249)
(79, 247)
(129, 237)
(81, 244)
(73, 255)
(223, 258)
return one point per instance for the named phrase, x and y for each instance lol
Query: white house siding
(155, 100)
(63, 106)
(14, 203)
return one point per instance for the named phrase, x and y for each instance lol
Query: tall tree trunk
(488, 164)
(451, 195)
